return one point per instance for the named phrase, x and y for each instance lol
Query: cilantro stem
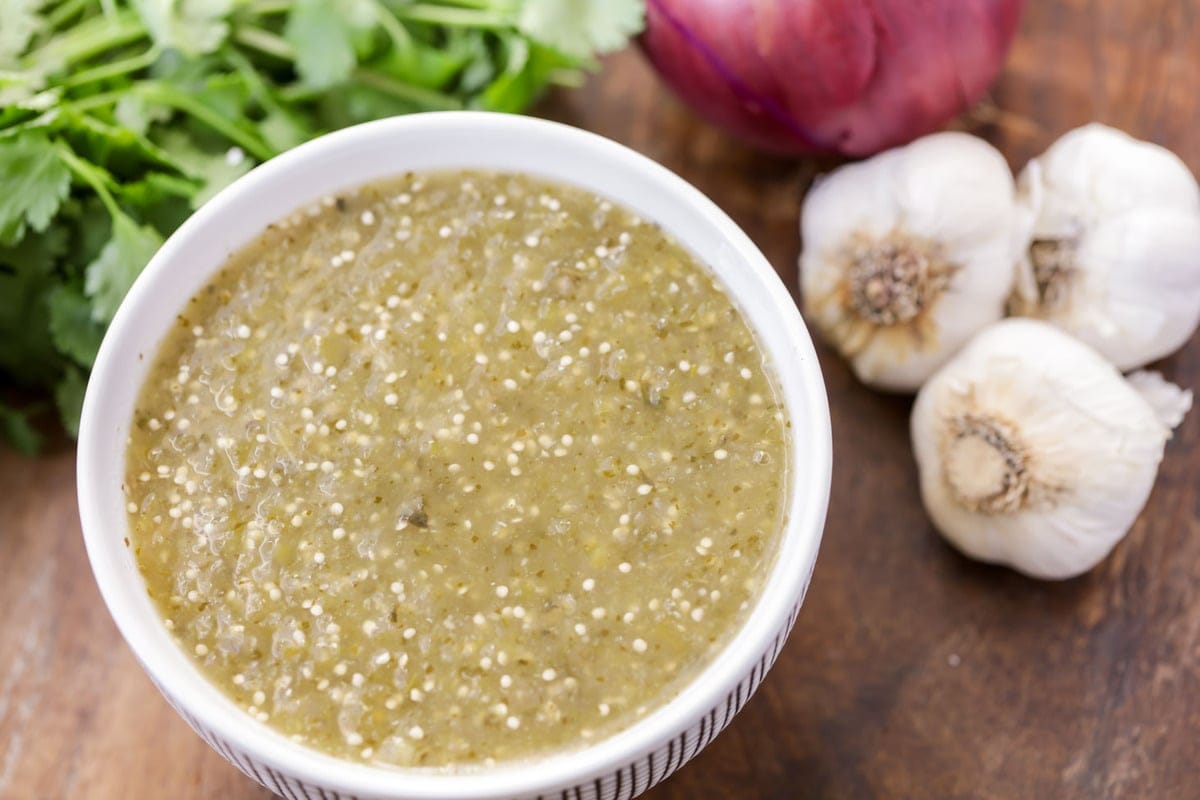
(98, 100)
(570, 78)
(86, 39)
(264, 8)
(298, 93)
(17, 78)
(66, 12)
(451, 16)
(394, 28)
(272, 44)
(113, 70)
(92, 175)
(164, 94)
(157, 92)
(264, 42)
(427, 98)
(260, 90)
(488, 5)
(269, 43)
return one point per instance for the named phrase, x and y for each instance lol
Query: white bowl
(621, 766)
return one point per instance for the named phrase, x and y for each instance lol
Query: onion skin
(845, 77)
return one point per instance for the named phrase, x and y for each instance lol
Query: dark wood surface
(912, 673)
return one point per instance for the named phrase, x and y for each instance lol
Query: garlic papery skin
(1114, 257)
(909, 253)
(1034, 452)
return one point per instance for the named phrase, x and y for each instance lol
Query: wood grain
(912, 672)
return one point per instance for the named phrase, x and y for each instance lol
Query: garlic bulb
(909, 253)
(1034, 452)
(1115, 252)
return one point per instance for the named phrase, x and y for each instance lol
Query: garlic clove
(1034, 452)
(1095, 170)
(1114, 256)
(909, 253)
(955, 188)
(1169, 402)
(856, 197)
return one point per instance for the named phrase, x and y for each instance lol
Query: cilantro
(322, 34)
(119, 150)
(27, 274)
(72, 328)
(214, 171)
(134, 113)
(190, 26)
(283, 130)
(119, 263)
(35, 183)
(19, 431)
(68, 398)
(89, 227)
(119, 117)
(156, 188)
(21, 23)
(578, 28)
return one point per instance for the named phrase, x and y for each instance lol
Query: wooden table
(912, 672)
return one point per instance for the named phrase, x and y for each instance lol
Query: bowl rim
(810, 469)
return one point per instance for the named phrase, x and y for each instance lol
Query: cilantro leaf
(121, 151)
(13, 110)
(193, 27)
(225, 94)
(160, 199)
(109, 277)
(213, 112)
(426, 65)
(481, 67)
(21, 23)
(133, 112)
(156, 187)
(579, 28)
(27, 274)
(525, 76)
(68, 397)
(357, 103)
(35, 183)
(322, 32)
(72, 328)
(282, 130)
(90, 228)
(215, 171)
(18, 431)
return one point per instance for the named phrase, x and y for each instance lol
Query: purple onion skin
(846, 77)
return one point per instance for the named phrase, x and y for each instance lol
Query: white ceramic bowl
(622, 766)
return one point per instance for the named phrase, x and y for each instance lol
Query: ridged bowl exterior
(625, 783)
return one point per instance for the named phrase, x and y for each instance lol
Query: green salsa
(456, 468)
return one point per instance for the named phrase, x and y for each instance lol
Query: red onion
(829, 76)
